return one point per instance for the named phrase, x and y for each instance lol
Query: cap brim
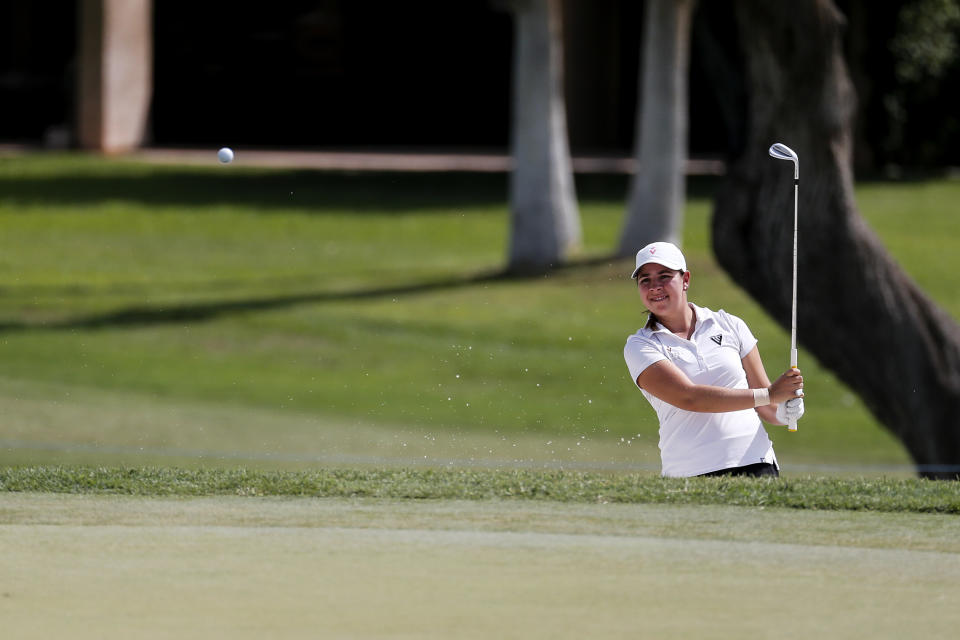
(662, 264)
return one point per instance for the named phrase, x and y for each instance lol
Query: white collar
(700, 313)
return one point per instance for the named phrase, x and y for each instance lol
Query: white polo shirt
(694, 443)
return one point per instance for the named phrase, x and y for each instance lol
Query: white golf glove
(792, 409)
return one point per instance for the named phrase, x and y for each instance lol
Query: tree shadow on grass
(320, 191)
(142, 316)
(262, 189)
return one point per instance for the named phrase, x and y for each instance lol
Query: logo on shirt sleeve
(717, 338)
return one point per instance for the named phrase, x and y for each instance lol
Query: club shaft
(793, 318)
(792, 424)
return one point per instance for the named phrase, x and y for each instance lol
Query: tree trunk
(545, 222)
(657, 191)
(115, 74)
(858, 312)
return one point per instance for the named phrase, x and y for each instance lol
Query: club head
(781, 151)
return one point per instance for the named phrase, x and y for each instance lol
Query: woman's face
(663, 289)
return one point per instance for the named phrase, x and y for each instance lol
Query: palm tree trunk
(545, 221)
(657, 190)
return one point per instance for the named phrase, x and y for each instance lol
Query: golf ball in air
(225, 155)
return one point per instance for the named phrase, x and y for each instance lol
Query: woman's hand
(787, 386)
(791, 410)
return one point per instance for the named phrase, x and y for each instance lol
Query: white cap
(663, 253)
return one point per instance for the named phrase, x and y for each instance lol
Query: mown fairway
(222, 567)
(157, 553)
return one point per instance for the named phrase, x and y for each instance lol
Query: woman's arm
(667, 382)
(757, 379)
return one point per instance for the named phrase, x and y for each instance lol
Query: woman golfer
(701, 371)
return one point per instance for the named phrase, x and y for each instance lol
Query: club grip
(792, 424)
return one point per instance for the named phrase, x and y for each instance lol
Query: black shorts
(759, 470)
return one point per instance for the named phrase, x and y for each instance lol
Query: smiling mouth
(659, 298)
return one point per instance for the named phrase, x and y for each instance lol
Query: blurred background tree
(431, 74)
(904, 63)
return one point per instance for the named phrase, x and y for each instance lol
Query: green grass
(213, 316)
(247, 403)
(888, 495)
(116, 566)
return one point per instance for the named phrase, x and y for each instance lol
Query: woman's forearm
(769, 414)
(701, 398)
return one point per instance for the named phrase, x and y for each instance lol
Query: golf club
(783, 152)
